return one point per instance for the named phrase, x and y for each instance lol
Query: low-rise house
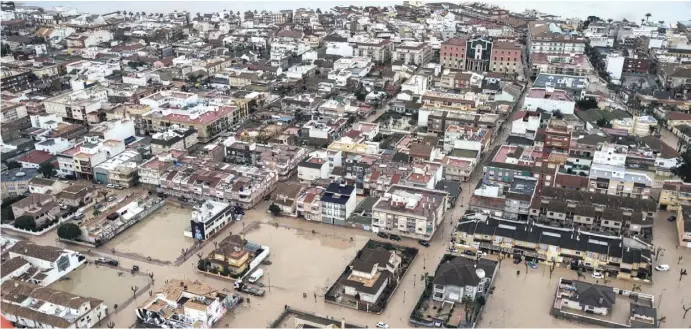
(34, 159)
(463, 277)
(42, 185)
(16, 181)
(286, 197)
(35, 306)
(230, 256)
(200, 305)
(46, 264)
(372, 271)
(309, 203)
(410, 211)
(313, 168)
(120, 169)
(41, 207)
(338, 203)
(151, 171)
(208, 219)
(175, 138)
(77, 195)
(565, 246)
(594, 211)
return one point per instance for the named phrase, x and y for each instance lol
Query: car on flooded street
(516, 260)
(423, 243)
(395, 237)
(598, 275)
(662, 268)
(382, 325)
(106, 261)
(383, 235)
(671, 218)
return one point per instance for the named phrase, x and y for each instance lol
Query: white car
(110, 186)
(382, 325)
(663, 267)
(598, 275)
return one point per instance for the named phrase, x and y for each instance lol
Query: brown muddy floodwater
(159, 236)
(302, 262)
(108, 284)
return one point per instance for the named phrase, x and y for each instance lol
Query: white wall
(520, 127)
(307, 174)
(549, 105)
(60, 144)
(615, 65)
(339, 48)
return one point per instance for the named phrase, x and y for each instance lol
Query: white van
(256, 276)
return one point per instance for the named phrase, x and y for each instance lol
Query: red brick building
(636, 64)
(503, 56)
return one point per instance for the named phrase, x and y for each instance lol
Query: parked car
(383, 235)
(382, 325)
(98, 206)
(516, 260)
(598, 275)
(183, 199)
(111, 199)
(395, 237)
(106, 261)
(671, 218)
(423, 243)
(119, 187)
(110, 186)
(469, 253)
(452, 250)
(162, 195)
(662, 267)
(532, 265)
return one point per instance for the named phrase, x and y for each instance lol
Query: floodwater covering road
(308, 256)
(159, 236)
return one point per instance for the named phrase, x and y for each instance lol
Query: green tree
(47, 169)
(69, 231)
(274, 209)
(683, 168)
(96, 212)
(7, 215)
(25, 223)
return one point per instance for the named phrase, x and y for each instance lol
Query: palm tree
(609, 20)
(647, 16)
(642, 21)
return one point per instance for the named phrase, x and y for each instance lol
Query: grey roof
(462, 271)
(594, 294)
(449, 186)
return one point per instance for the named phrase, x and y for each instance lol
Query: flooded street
(108, 284)
(307, 257)
(165, 227)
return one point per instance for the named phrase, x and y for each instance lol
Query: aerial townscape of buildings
(417, 164)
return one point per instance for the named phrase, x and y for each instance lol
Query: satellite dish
(480, 273)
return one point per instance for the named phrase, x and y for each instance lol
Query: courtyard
(165, 226)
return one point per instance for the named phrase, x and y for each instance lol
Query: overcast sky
(668, 11)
